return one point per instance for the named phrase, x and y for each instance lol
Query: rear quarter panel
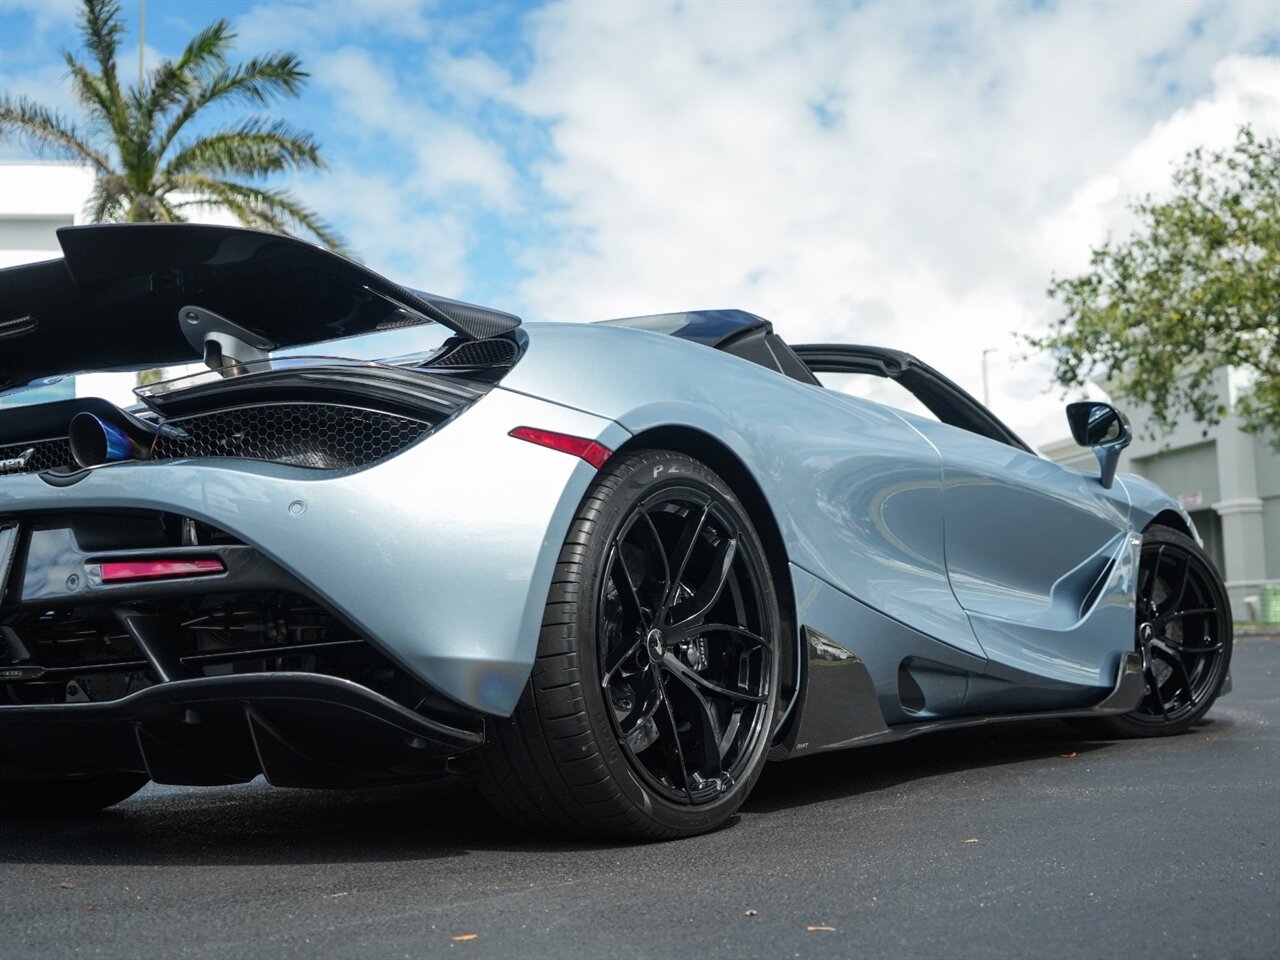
(856, 493)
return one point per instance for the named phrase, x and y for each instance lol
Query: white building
(1228, 480)
(35, 200)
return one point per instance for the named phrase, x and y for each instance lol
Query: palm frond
(175, 79)
(252, 148)
(94, 94)
(255, 82)
(26, 120)
(137, 125)
(101, 29)
(261, 208)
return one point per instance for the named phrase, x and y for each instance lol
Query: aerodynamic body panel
(1039, 556)
(441, 556)
(914, 677)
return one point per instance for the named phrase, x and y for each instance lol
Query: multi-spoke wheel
(1184, 634)
(652, 701)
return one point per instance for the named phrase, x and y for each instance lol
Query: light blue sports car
(609, 570)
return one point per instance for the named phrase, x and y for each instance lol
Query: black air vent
(320, 436)
(316, 435)
(478, 353)
(45, 455)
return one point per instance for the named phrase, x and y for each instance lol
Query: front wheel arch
(1170, 518)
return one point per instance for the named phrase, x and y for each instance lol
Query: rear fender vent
(494, 352)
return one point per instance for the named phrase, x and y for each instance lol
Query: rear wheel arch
(720, 458)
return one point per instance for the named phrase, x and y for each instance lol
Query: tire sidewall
(639, 477)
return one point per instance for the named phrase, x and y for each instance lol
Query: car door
(881, 486)
(1039, 556)
(1035, 552)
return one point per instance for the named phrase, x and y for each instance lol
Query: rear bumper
(296, 729)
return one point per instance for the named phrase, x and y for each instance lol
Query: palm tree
(149, 165)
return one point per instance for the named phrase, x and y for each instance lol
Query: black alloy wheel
(683, 666)
(1184, 633)
(653, 697)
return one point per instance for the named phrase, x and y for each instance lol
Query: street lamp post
(986, 389)
(142, 38)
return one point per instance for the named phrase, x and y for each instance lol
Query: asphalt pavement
(1013, 841)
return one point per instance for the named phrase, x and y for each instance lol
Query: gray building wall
(1268, 462)
(1226, 479)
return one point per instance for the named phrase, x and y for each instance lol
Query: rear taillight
(124, 571)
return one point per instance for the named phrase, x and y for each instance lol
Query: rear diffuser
(296, 729)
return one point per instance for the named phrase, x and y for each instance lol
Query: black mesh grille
(478, 353)
(46, 455)
(316, 435)
(321, 436)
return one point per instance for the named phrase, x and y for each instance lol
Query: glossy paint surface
(1028, 543)
(975, 548)
(977, 575)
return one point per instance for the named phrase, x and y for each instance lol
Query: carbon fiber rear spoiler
(112, 301)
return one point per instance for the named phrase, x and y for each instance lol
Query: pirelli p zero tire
(651, 703)
(75, 795)
(1184, 633)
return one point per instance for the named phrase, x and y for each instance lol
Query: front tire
(653, 697)
(1184, 633)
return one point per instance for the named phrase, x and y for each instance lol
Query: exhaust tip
(94, 441)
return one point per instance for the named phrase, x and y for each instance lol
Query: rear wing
(113, 300)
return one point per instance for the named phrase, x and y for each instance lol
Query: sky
(904, 174)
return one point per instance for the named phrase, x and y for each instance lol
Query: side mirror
(1103, 427)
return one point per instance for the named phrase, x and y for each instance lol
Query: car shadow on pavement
(255, 824)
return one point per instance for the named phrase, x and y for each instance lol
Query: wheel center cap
(655, 643)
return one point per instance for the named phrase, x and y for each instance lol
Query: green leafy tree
(140, 140)
(1195, 287)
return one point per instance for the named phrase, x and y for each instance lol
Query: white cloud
(45, 14)
(390, 236)
(1246, 91)
(449, 155)
(305, 26)
(905, 174)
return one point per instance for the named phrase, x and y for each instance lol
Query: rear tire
(1184, 633)
(63, 798)
(651, 703)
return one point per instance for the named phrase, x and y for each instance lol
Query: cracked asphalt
(1017, 840)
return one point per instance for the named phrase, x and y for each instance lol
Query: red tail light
(124, 571)
(590, 451)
